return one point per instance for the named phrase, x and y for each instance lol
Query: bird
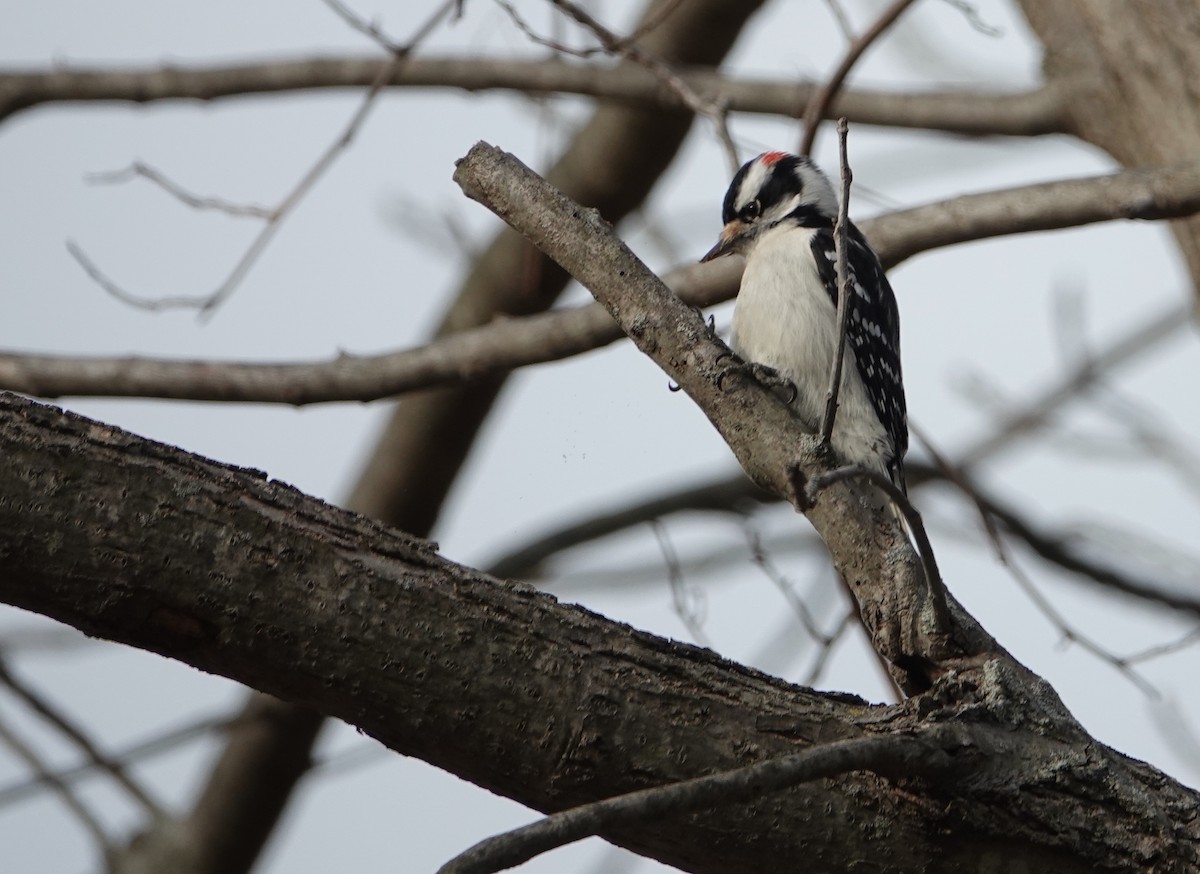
(779, 212)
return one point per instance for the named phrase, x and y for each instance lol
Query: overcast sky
(366, 264)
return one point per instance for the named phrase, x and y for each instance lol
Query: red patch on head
(769, 158)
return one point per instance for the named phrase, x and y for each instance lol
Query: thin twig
(34, 762)
(166, 742)
(195, 201)
(760, 558)
(819, 105)
(1162, 649)
(895, 755)
(899, 500)
(1068, 632)
(841, 244)
(849, 619)
(48, 712)
(843, 20)
(273, 219)
(715, 111)
(1141, 337)
(689, 608)
(974, 18)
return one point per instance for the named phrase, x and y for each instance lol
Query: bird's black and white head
(774, 190)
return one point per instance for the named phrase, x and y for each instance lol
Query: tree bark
(1131, 73)
(611, 164)
(545, 703)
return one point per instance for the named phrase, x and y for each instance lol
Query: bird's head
(773, 190)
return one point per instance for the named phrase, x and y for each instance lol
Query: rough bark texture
(1131, 73)
(1023, 114)
(549, 704)
(869, 548)
(612, 164)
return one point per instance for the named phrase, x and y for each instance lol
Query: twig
(1143, 336)
(273, 218)
(760, 558)
(195, 201)
(899, 500)
(1162, 649)
(974, 18)
(849, 619)
(48, 712)
(689, 608)
(819, 105)
(1066, 629)
(841, 244)
(843, 21)
(207, 304)
(714, 111)
(166, 742)
(374, 32)
(26, 753)
(892, 756)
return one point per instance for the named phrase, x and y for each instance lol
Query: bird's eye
(750, 211)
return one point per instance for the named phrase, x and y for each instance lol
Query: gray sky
(344, 274)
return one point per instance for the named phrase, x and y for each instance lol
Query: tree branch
(773, 446)
(545, 703)
(959, 111)
(496, 348)
(819, 103)
(924, 754)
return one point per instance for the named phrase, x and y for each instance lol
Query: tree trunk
(1131, 73)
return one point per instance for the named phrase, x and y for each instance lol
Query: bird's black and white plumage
(779, 212)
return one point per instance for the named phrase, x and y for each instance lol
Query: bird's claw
(766, 376)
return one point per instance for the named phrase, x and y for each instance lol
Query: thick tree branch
(611, 164)
(958, 111)
(466, 356)
(549, 704)
(1144, 193)
(776, 449)
(897, 755)
(503, 345)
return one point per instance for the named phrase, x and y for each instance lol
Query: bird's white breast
(785, 319)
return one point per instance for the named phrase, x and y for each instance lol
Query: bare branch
(687, 603)
(819, 105)
(1067, 631)
(77, 736)
(933, 577)
(33, 761)
(843, 285)
(972, 112)
(459, 642)
(195, 201)
(774, 447)
(625, 48)
(273, 218)
(924, 753)
(207, 304)
(165, 742)
(734, 495)
(510, 343)
(1033, 413)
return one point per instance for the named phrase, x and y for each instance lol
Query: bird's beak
(727, 243)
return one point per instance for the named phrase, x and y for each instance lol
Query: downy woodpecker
(779, 212)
